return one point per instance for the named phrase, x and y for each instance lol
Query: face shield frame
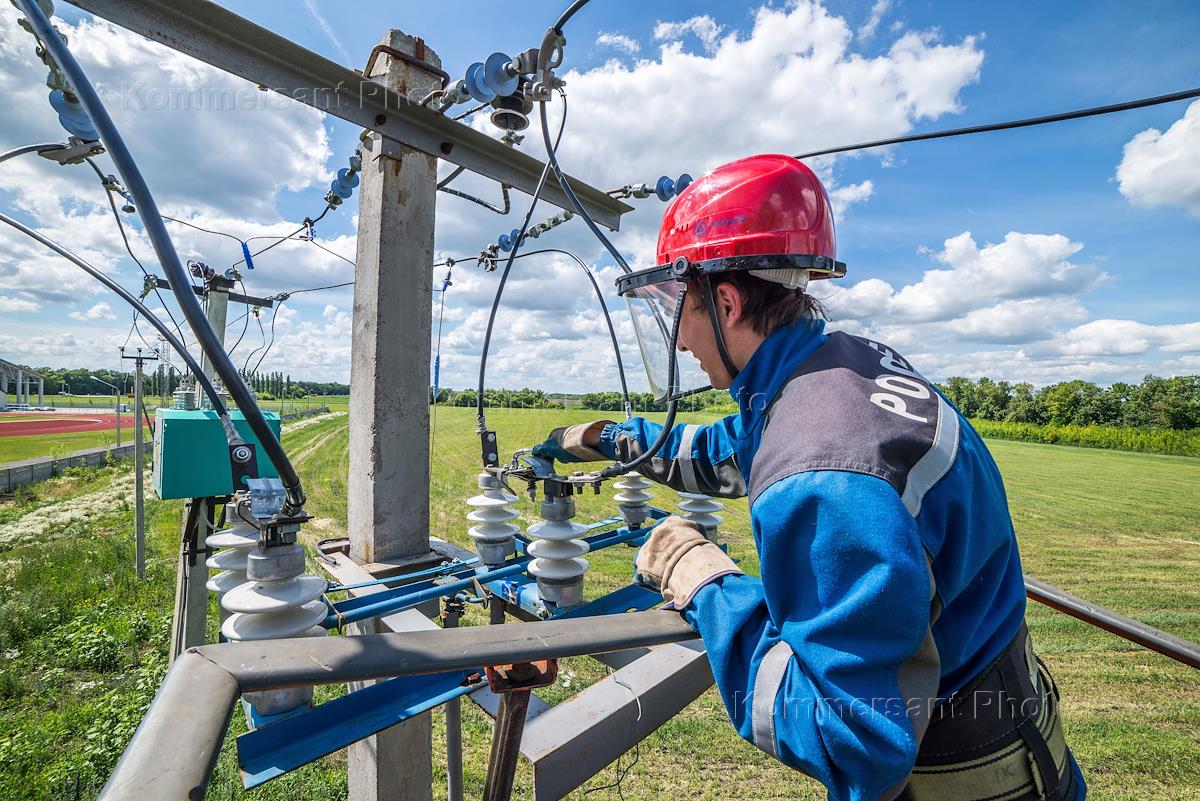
(650, 287)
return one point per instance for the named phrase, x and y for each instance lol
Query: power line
(124, 238)
(1004, 126)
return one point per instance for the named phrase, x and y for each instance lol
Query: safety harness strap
(1015, 751)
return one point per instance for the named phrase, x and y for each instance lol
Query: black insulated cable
(167, 256)
(1004, 126)
(570, 193)
(566, 15)
(487, 336)
(612, 332)
(138, 306)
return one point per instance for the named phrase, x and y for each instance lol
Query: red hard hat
(767, 205)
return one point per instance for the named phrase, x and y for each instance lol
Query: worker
(883, 651)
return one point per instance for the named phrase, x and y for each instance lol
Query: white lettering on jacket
(905, 384)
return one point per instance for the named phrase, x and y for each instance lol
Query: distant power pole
(139, 507)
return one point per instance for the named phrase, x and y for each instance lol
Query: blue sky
(1050, 253)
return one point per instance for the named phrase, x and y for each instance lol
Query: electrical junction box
(191, 455)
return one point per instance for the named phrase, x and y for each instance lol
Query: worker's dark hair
(766, 305)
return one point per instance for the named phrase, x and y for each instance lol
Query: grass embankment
(46, 446)
(1117, 528)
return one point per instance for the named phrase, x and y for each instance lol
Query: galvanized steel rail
(175, 748)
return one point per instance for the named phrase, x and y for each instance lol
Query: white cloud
(17, 305)
(101, 311)
(1123, 337)
(1023, 266)
(1160, 168)
(619, 41)
(704, 27)
(867, 31)
(1018, 321)
(315, 13)
(843, 197)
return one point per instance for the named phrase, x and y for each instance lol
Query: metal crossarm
(232, 43)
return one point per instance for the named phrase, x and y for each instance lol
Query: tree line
(1168, 403)
(160, 380)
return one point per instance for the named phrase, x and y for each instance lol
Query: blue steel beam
(273, 750)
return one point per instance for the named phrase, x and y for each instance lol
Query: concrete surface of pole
(388, 492)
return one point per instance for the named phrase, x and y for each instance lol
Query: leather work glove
(566, 444)
(677, 560)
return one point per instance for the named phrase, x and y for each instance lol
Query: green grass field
(83, 640)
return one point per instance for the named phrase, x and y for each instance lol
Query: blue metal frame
(285, 742)
(467, 578)
(269, 752)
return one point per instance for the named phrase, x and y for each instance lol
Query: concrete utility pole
(139, 503)
(388, 505)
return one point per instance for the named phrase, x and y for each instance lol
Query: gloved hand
(566, 444)
(677, 560)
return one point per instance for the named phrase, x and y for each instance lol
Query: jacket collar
(769, 368)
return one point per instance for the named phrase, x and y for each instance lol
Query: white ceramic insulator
(492, 514)
(701, 510)
(556, 549)
(236, 542)
(632, 498)
(267, 610)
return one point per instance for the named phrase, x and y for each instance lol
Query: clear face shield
(654, 308)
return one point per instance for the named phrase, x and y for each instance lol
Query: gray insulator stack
(702, 510)
(494, 534)
(632, 499)
(558, 563)
(277, 601)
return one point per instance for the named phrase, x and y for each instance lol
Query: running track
(62, 423)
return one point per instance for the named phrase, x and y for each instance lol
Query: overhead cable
(1004, 126)
(167, 256)
(612, 331)
(129, 298)
(487, 336)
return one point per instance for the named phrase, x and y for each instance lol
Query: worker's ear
(729, 304)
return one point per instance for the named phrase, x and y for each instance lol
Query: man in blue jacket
(883, 651)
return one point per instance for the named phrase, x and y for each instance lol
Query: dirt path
(317, 443)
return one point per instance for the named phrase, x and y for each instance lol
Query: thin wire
(199, 228)
(318, 288)
(124, 238)
(471, 111)
(1004, 126)
(262, 331)
(274, 314)
(612, 332)
(20, 151)
(437, 364)
(637, 746)
(245, 325)
(307, 224)
(330, 252)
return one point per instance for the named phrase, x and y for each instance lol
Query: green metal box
(191, 456)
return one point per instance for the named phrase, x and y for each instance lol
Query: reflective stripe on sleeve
(766, 689)
(687, 470)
